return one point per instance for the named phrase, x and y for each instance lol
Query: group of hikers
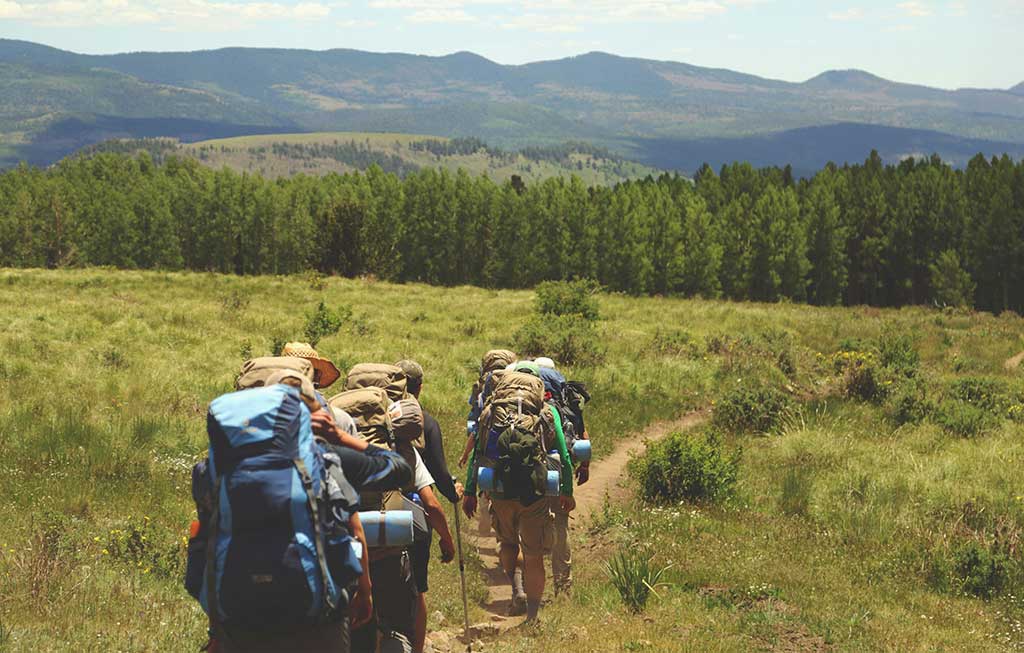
(316, 515)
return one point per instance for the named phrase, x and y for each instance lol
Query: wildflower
(106, 552)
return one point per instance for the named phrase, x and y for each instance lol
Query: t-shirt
(420, 474)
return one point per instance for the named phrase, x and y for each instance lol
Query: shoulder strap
(318, 536)
(211, 563)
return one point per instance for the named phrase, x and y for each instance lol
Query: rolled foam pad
(485, 479)
(581, 451)
(554, 483)
(391, 528)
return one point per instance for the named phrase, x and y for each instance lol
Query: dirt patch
(1014, 362)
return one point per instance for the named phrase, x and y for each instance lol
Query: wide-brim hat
(329, 372)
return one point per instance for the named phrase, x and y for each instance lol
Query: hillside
(853, 516)
(283, 155)
(625, 104)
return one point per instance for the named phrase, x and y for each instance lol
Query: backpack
(389, 377)
(494, 360)
(515, 423)
(272, 551)
(256, 371)
(395, 425)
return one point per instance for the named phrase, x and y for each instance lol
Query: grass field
(255, 154)
(852, 526)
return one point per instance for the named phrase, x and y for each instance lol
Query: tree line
(887, 235)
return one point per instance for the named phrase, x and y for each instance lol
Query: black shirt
(433, 457)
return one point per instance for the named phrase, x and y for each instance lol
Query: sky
(942, 43)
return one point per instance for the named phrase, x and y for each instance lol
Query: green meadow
(877, 500)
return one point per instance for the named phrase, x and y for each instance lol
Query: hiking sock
(532, 608)
(517, 582)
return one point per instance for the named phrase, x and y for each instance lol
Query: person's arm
(437, 520)
(361, 608)
(468, 449)
(374, 468)
(434, 459)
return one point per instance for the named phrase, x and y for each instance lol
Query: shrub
(987, 394)
(685, 467)
(634, 575)
(964, 419)
(755, 409)
(673, 343)
(979, 571)
(569, 339)
(324, 322)
(909, 403)
(862, 377)
(568, 298)
(898, 352)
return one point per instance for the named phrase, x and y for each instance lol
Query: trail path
(606, 476)
(1013, 363)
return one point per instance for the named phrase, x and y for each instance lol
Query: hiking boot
(518, 606)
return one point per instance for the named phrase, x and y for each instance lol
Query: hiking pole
(462, 569)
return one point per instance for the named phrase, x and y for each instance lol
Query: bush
(964, 419)
(990, 395)
(909, 403)
(863, 378)
(634, 576)
(898, 352)
(751, 409)
(324, 322)
(979, 571)
(568, 298)
(673, 343)
(569, 339)
(685, 467)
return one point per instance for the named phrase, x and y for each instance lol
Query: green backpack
(521, 466)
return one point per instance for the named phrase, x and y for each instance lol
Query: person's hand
(469, 506)
(582, 474)
(568, 504)
(360, 610)
(323, 425)
(447, 549)
(460, 489)
(464, 459)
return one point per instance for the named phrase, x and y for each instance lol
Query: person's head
(413, 375)
(324, 371)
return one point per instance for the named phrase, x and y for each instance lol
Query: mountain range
(662, 113)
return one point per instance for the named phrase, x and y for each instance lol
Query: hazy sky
(944, 43)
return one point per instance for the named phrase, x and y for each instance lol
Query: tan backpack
(389, 377)
(369, 408)
(517, 400)
(255, 372)
(407, 421)
(493, 361)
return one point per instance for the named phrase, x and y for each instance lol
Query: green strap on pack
(563, 453)
(318, 536)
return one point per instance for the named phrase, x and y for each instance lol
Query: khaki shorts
(531, 527)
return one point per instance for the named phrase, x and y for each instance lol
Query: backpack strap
(211, 563)
(318, 536)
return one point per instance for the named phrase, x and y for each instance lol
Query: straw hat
(329, 372)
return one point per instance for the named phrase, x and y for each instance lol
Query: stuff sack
(256, 372)
(390, 378)
(259, 559)
(370, 408)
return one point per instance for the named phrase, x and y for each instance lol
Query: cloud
(169, 14)
(440, 16)
(915, 8)
(854, 13)
(957, 9)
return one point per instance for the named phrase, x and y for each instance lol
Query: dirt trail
(1013, 363)
(606, 475)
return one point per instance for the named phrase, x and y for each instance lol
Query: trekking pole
(462, 570)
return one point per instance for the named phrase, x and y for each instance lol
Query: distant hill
(1018, 89)
(283, 155)
(624, 104)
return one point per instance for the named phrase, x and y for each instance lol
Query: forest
(920, 232)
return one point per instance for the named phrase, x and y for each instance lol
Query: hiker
(515, 425)
(325, 372)
(492, 361)
(567, 399)
(252, 518)
(377, 398)
(432, 454)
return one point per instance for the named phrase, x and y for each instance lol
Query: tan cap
(329, 372)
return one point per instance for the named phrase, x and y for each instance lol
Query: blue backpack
(272, 552)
